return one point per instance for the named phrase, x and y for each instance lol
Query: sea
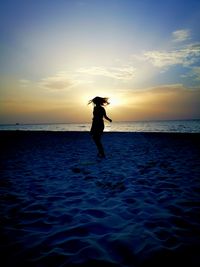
(174, 126)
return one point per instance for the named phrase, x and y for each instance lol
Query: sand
(60, 205)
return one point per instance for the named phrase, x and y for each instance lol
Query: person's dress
(98, 123)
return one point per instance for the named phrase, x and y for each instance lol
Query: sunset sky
(55, 55)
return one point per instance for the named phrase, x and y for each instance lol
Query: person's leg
(97, 140)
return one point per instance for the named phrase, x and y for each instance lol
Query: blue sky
(56, 55)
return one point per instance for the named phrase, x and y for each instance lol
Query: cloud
(181, 35)
(179, 53)
(186, 56)
(119, 73)
(194, 73)
(172, 101)
(60, 81)
(24, 83)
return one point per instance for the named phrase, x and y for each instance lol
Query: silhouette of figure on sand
(97, 128)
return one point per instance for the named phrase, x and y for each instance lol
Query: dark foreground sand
(62, 206)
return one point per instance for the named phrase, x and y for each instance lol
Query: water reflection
(183, 126)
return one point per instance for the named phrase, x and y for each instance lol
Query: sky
(56, 55)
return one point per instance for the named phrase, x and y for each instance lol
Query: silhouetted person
(97, 128)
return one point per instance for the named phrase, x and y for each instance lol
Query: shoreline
(88, 132)
(4, 135)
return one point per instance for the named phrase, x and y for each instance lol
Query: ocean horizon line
(88, 122)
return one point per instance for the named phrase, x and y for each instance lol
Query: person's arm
(106, 117)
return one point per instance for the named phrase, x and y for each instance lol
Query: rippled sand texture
(62, 206)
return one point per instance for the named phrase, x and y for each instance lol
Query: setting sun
(115, 102)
